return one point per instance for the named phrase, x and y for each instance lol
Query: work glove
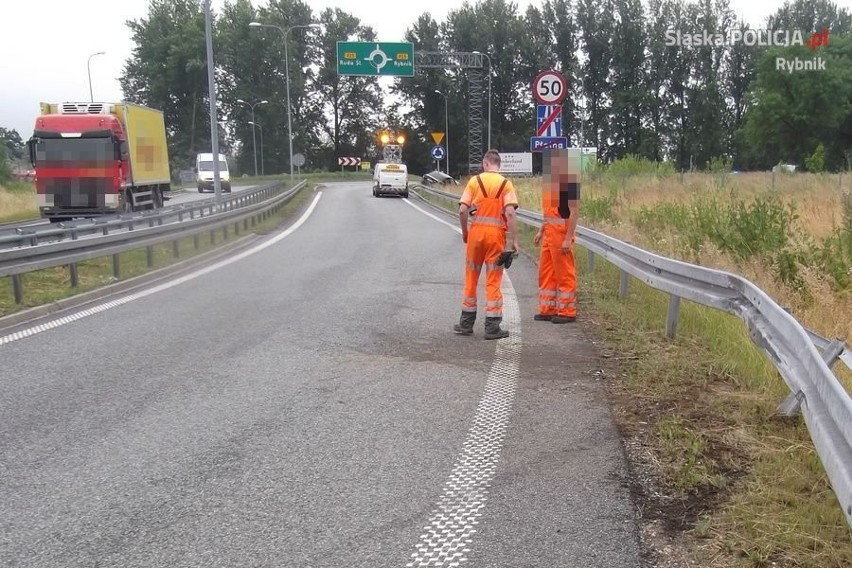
(506, 258)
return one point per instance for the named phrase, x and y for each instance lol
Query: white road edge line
(448, 536)
(165, 286)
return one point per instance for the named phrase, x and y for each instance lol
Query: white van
(390, 179)
(204, 173)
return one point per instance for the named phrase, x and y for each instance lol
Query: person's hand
(515, 245)
(464, 237)
(567, 244)
(537, 238)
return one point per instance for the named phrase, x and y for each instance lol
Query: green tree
(13, 142)
(595, 26)
(352, 104)
(563, 36)
(427, 107)
(790, 114)
(167, 70)
(812, 16)
(628, 71)
(5, 166)
(251, 62)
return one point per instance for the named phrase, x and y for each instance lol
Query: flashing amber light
(385, 138)
(400, 139)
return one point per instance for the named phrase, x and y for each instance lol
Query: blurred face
(561, 167)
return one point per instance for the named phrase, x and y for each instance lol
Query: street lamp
(489, 94)
(285, 32)
(253, 139)
(89, 68)
(253, 124)
(446, 132)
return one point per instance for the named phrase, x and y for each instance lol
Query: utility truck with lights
(390, 176)
(93, 159)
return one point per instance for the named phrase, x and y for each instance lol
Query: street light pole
(446, 132)
(211, 87)
(253, 138)
(253, 124)
(489, 94)
(286, 32)
(89, 69)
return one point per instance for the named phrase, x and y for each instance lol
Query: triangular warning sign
(437, 137)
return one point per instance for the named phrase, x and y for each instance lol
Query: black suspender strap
(502, 185)
(482, 187)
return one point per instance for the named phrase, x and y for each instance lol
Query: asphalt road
(307, 405)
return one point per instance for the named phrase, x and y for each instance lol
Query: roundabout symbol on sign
(380, 55)
(438, 153)
(550, 87)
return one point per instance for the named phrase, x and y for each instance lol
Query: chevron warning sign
(348, 161)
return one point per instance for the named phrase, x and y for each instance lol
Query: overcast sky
(45, 44)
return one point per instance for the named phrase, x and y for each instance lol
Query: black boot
(465, 325)
(492, 329)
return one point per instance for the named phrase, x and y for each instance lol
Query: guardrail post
(623, 284)
(176, 248)
(116, 266)
(591, 261)
(245, 224)
(17, 288)
(672, 316)
(237, 228)
(225, 232)
(792, 405)
(832, 352)
(180, 216)
(212, 236)
(195, 244)
(149, 256)
(75, 276)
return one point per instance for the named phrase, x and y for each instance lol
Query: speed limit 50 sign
(550, 87)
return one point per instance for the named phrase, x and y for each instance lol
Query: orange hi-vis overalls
(485, 241)
(557, 274)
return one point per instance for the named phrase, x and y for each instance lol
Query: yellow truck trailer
(93, 159)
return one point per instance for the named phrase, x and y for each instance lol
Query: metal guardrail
(142, 231)
(803, 358)
(33, 236)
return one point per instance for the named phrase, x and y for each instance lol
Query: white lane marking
(448, 536)
(159, 288)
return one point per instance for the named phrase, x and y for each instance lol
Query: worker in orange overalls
(493, 198)
(557, 273)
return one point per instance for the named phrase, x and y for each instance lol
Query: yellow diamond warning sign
(437, 137)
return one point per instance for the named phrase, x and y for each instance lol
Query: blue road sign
(548, 121)
(438, 153)
(539, 143)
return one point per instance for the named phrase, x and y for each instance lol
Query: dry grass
(17, 201)
(818, 204)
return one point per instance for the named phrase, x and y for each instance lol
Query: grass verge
(45, 286)
(17, 202)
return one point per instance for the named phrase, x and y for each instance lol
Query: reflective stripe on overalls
(486, 241)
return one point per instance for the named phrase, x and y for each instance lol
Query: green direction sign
(375, 58)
